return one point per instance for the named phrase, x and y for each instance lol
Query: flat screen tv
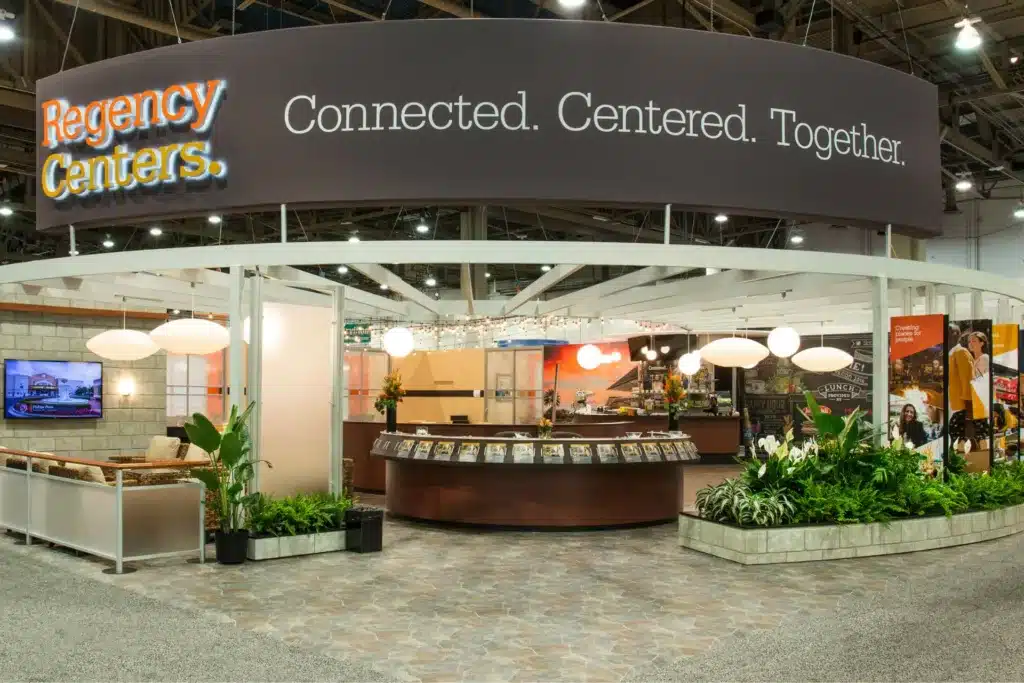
(52, 390)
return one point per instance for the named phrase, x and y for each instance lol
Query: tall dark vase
(673, 422)
(391, 414)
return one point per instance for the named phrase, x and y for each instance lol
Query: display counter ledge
(534, 451)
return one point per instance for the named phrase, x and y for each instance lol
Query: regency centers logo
(101, 124)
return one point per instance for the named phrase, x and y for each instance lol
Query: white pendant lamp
(783, 341)
(191, 337)
(734, 352)
(589, 357)
(398, 342)
(823, 359)
(122, 344)
(968, 38)
(689, 363)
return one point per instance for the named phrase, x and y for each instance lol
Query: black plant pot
(231, 546)
(391, 414)
(673, 422)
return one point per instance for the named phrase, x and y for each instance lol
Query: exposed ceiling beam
(398, 285)
(452, 8)
(18, 99)
(629, 10)
(352, 10)
(58, 31)
(609, 287)
(539, 286)
(135, 17)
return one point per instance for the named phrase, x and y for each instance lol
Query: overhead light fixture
(968, 38)
(963, 184)
(487, 275)
(689, 363)
(572, 4)
(6, 211)
(214, 219)
(822, 359)
(437, 295)
(342, 269)
(643, 350)
(156, 231)
(73, 252)
(430, 282)
(176, 311)
(398, 342)
(126, 386)
(588, 357)
(1014, 59)
(122, 345)
(783, 341)
(796, 239)
(6, 32)
(734, 352)
(108, 243)
(545, 268)
(721, 218)
(664, 350)
(1018, 211)
(383, 286)
(603, 219)
(353, 240)
(191, 337)
(712, 271)
(651, 354)
(423, 228)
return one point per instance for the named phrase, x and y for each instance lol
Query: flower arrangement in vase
(391, 393)
(674, 395)
(544, 428)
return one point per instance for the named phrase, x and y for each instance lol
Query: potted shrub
(302, 524)
(230, 470)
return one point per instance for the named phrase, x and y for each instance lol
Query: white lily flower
(789, 470)
(908, 444)
(895, 432)
(811, 447)
(770, 444)
(764, 468)
(967, 445)
(796, 454)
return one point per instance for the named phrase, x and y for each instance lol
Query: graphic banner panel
(917, 397)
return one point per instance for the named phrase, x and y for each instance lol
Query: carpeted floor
(64, 627)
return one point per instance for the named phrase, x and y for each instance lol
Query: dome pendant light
(822, 358)
(589, 357)
(968, 38)
(122, 344)
(191, 336)
(398, 342)
(783, 341)
(689, 363)
(734, 352)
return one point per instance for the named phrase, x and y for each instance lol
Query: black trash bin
(364, 529)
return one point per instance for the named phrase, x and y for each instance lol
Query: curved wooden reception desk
(536, 483)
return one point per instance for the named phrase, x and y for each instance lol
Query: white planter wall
(832, 542)
(292, 546)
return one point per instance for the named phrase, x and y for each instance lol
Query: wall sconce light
(126, 386)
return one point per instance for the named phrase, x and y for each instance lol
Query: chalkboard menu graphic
(1006, 391)
(917, 381)
(774, 389)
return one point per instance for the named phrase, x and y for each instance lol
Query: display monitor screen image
(41, 389)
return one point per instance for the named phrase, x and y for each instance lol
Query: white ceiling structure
(754, 288)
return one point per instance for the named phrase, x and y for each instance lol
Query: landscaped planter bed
(272, 547)
(832, 542)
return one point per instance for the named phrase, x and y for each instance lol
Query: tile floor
(449, 605)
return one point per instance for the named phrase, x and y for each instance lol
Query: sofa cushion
(195, 454)
(88, 472)
(163, 448)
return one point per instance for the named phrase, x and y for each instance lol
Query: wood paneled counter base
(532, 483)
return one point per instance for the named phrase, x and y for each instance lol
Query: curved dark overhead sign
(489, 111)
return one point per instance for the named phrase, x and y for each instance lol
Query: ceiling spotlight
(437, 295)
(156, 231)
(651, 354)
(664, 349)
(968, 38)
(6, 211)
(108, 243)
(487, 275)
(176, 311)
(572, 4)
(963, 184)
(430, 282)
(353, 240)
(545, 268)
(383, 286)
(721, 218)
(423, 228)
(1018, 212)
(342, 269)
(1014, 59)
(73, 252)
(6, 32)
(796, 239)
(214, 219)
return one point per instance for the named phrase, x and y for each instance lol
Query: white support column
(977, 305)
(668, 222)
(931, 302)
(951, 306)
(284, 223)
(236, 369)
(908, 301)
(254, 376)
(338, 380)
(880, 355)
(1003, 312)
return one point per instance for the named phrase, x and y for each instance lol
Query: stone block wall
(128, 423)
(833, 542)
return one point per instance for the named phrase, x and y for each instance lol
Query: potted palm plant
(230, 470)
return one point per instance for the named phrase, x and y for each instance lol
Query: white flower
(789, 470)
(811, 447)
(895, 432)
(967, 445)
(769, 444)
(796, 454)
(908, 444)
(760, 472)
